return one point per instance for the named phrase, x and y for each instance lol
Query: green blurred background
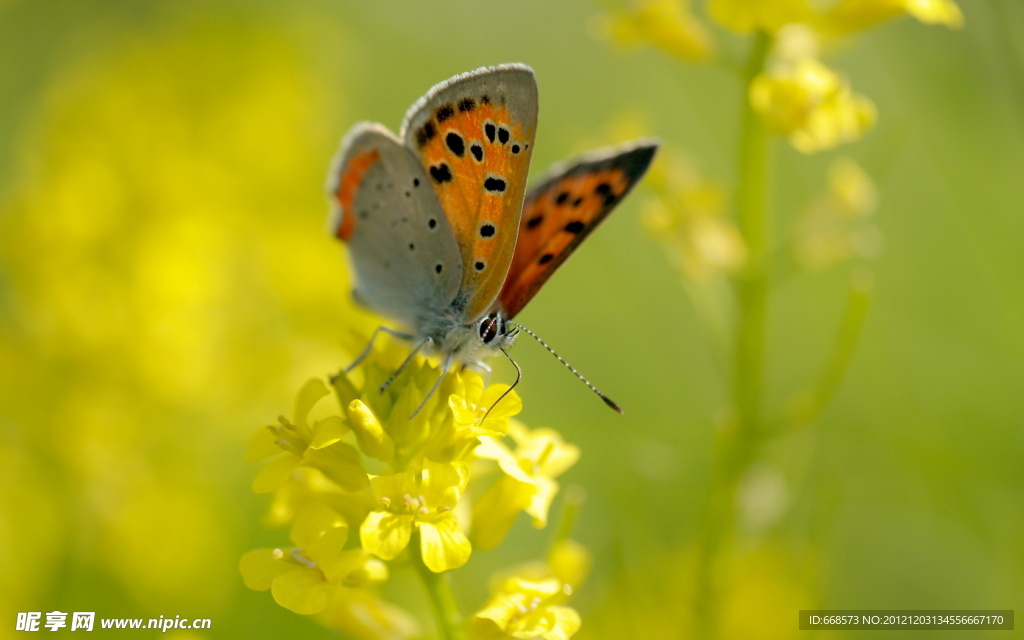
(166, 284)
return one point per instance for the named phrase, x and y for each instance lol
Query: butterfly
(441, 234)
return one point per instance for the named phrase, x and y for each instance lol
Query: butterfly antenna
(408, 359)
(608, 401)
(519, 376)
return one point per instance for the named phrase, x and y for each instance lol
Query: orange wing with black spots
(474, 137)
(563, 209)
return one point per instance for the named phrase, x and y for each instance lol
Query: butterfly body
(439, 237)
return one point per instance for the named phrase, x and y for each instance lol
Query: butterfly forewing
(403, 251)
(474, 135)
(569, 203)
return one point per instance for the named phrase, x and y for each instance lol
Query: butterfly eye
(490, 328)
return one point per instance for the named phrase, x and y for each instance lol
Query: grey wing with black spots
(403, 253)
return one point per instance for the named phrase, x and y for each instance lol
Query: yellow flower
(747, 16)
(689, 217)
(447, 426)
(525, 608)
(392, 426)
(308, 486)
(362, 615)
(469, 404)
(424, 500)
(317, 445)
(667, 24)
(569, 562)
(304, 579)
(837, 225)
(398, 465)
(811, 105)
(527, 484)
(847, 16)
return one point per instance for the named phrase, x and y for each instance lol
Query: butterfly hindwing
(569, 203)
(473, 135)
(403, 251)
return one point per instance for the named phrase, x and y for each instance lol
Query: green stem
(754, 222)
(572, 504)
(811, 404)
(736, 445)
(446, 610)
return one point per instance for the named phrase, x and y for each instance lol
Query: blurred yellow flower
(747, 16)
(157, 172)
(305, 579)
(668, 25)
(851, 191)
(688, 216)
(837, 225)
(362, 615)
(811, 105)
(656, 598)
(570, 562)
(847, 16)
(528, 483)
(525, 608)
(425, 500)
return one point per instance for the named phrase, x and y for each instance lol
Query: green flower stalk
(369, 485)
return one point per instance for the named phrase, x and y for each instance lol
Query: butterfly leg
(408, 359)
(437, 383)
(369, 345)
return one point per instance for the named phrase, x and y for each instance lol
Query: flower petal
(262, 444)
(496, 512)
(275, 474)
(327, 431)
(384, 534)
(443, 544)
(566, 623)
(260, 567)
(358, 613)
(319, 531)
(302, 590)
(440, 479)
(309, 395)
(544, 491)
(341, 463)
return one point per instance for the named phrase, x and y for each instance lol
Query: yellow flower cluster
(689, 217)
(798, 95)
(668, 25)
(834, 16)
(812, 105)
(837, 226)
(848, 16)
(378, 481)
(527, 603)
